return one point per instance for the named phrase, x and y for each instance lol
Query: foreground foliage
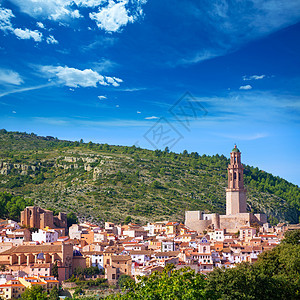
(276, 275)
(173, 284)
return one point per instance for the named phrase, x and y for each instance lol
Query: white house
(45, 236)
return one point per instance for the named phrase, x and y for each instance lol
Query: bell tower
(235, 193)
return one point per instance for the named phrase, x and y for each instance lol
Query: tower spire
(235, 193)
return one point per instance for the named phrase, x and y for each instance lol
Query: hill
(101, 182)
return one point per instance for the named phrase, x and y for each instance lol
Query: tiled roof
(32, 249)
(121, 257)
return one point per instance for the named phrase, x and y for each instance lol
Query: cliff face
(108, 183)
(22, 169)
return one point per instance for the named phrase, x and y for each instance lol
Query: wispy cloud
(132, 89)
(52, 121)
(198, 57)
(10, 77)
(245, 137)
(26, 89)
(231, 24)
(151, 118)
(254, 77)
(102, 97)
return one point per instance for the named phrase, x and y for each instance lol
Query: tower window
(234, 176)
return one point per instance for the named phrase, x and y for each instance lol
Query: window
(113, 276)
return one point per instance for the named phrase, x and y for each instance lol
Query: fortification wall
(232, 223)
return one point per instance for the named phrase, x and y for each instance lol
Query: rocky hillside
(102, 182)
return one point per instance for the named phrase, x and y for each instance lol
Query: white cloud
(72, 77)
(51, 9)
(254, 77)
(27, 34)
(111, 15)
(138, 112)
(5, 16)
(10, 77)
(40, 24)
(102, 97)
(75, 14)
(246, 87)
(51, 40)
(89, 3)
(114, 81)
(24, 34)
(14, 112)
(117, 14)
(151, 118)
(117, 105)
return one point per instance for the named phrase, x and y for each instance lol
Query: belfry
(235, 193)
(236, 204)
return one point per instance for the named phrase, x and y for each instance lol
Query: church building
(236, 204)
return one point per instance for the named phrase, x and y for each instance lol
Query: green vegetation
(34, 293)
(11, 207)
(90, 271)
(125, 280)
(118, 183)
(172, 284)
(54, 295)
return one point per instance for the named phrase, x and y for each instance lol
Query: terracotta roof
(141, 252)
(33, 249)
(47, 265)
(51, 280)
(121, 257)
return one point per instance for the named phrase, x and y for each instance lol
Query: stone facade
(236, 204)
(36, 217)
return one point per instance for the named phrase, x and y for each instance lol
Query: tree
(292, 237)
(36, 292)
(54, 294)
(276, 275)
(3, 268)
(127, 220)
(71, 219)
(123, 281)
(55, 270)
(183, 284)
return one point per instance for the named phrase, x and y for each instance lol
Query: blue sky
(195, 75)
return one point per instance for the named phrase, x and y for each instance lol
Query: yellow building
(13, 289)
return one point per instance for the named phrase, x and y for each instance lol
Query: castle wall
(232, 223)
(198, 221)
